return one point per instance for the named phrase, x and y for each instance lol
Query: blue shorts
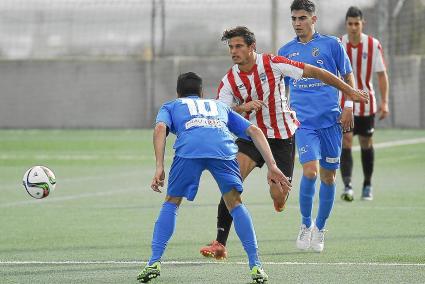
(185, 173)
(323, 145)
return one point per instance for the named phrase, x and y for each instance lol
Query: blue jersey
(203, 127)
(315, 102)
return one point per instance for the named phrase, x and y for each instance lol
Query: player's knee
(328, 178)
(310, 170)
(175, 200)
(347, 140)
(365, 142)
(232, 199)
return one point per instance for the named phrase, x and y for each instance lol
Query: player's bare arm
(383, 88)
(254, 105)
(274, 174)
(159, 141)
(325, 76)
(347, 117)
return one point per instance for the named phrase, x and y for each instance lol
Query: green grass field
(97, 226)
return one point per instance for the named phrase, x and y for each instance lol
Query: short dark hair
(189, 84)
(243, 32)
(305, 5)
(354, 12)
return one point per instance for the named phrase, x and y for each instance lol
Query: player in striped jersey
(253, 88)
(365, 53)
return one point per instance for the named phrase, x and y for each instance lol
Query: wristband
(348, 104)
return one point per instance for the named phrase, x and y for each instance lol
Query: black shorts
(283, 151)
(364, 125)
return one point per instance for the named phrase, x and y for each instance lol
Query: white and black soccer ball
(39, 181)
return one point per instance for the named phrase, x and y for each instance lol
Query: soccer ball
(39, 181)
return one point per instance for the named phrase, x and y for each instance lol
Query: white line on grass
(71, 262)
(107, 193)
(136, 157)
(67, 198)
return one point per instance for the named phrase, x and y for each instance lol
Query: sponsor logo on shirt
(293, 54)
(315, 52)
(263, 77)
(305, 83)
(364, 55)
(204, 122)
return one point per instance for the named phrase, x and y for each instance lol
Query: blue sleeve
(341, 58)
(164, 115)
(238, 125)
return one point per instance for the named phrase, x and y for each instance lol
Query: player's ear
(314, 18)
(253, 47)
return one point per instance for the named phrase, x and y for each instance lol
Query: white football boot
(304, 237)
(317, 239)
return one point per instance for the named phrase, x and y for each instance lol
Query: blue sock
(307, 189)
(246, 233)
(164, 229)
(326, 201)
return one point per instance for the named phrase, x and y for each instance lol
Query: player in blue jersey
(204, 142)
(319, 137)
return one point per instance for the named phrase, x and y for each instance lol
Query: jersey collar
(316, 35)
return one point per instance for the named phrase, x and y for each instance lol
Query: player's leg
(181, 183)
(248, 157)
(224, 219)
(367, 154)
(368, 159)
(227, 175)
(308, 145)
(163, 230)
(347, 166)
(284, 154)
(331, 144)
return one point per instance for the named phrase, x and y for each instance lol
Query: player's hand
(383, 111)
(158, 180)
(347, 119)
(254, 105)
(275, 176)
(359, 96)
(279, 188)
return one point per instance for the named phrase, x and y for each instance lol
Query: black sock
(224, 222)
(346, 166)
(368, 157)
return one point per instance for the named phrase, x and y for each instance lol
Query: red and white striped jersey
(264, 82)
(365, 58)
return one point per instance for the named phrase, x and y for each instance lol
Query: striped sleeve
(224, 92)
(379, 65)
(287, 67)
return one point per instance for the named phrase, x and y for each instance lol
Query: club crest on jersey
(315, 52)
(241, 86)
(263, 77)
(364, 55)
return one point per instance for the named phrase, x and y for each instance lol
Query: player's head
(189, 84)
(303, 14)
(354, 21)
(241, 42)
